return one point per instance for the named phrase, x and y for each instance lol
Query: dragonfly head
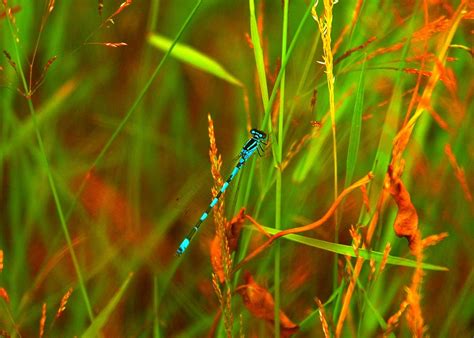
(258, 134)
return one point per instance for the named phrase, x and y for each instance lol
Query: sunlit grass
(104, 168)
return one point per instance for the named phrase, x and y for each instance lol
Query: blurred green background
(104, 162)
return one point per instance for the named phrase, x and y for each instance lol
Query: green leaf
(101, 319)
(258, 53)
(191, 56)
(349, 251)
(354, 139)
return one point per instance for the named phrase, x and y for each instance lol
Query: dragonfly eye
(258, 133)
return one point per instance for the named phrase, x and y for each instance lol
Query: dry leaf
(260, 303)
(406, 222)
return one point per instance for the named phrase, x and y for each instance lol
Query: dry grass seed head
(42, 321)
(62, 305)
(322, 317)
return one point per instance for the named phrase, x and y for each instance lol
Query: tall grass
(104, 167)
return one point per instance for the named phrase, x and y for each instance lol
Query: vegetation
(355, 222)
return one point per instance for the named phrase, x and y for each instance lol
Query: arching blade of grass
(246, 239)
(191, 56)
(258, 53)
(349, 251)
(354, 138)
(99, 322)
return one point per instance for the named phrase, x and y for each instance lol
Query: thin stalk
(279, 152)
(267, 115)
(156, 327)
(45, 163)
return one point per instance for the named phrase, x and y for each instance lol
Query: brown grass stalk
(42, 320)
(322, 317)
(325, 27)
(62, 305)
(458, 172)
(346, 29)
(225, 258)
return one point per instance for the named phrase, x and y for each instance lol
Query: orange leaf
(260, 303)
(4, 295)
(406, 222)
(101, 199)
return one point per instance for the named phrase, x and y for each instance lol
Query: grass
(104, 168)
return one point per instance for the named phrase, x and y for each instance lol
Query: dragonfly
(255, 144)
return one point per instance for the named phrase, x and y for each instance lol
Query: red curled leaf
(406, 222)
(260, 303)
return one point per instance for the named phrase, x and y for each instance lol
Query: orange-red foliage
(406, 222)
(260, 303)
(4, 295)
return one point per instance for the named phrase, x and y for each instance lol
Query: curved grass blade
(349, 251)
(259, 59)
(191, 56)
(354, 138)
(101, 319)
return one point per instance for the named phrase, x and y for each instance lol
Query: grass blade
(258, 53)
(349, 251)
(354, 138)
(191, 56)
(99, 322)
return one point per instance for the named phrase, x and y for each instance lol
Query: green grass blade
(258, 54)
(349, 251)
(99, 322)
(354, 138)
(191, 56)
